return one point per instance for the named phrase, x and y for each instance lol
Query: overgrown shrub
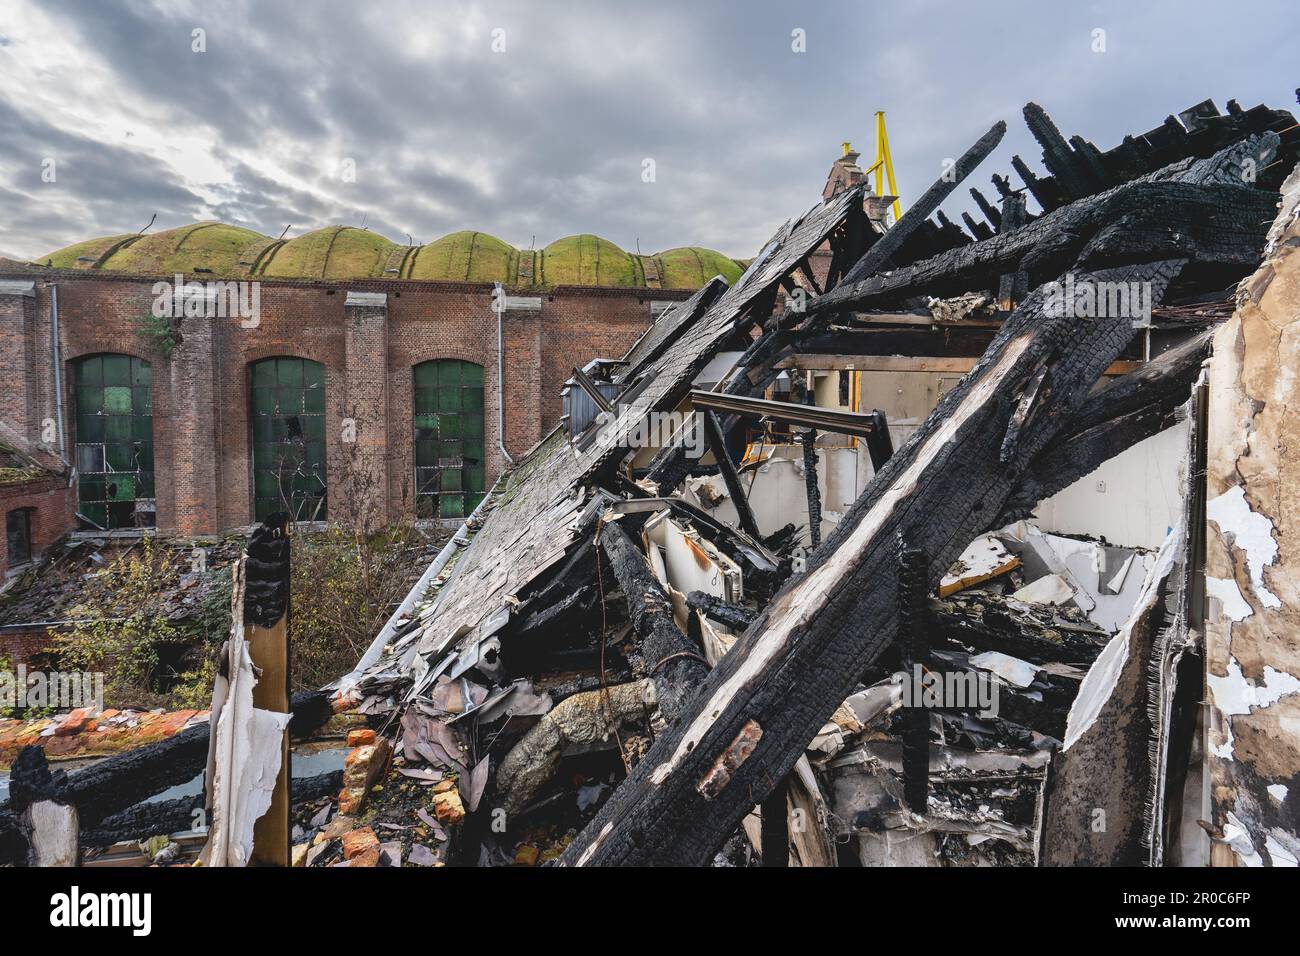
(345, 585)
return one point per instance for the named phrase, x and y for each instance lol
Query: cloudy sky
(548, 136)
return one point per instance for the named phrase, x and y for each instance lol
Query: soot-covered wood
(769, 696)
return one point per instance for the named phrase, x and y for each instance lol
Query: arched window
(287, 410)
(447, 404)
(114, 417)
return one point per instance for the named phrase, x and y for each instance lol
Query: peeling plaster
(1234, 605)
(1235, 695)
(1252, 533)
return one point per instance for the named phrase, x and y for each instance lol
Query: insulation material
(1106, 581)
(985, 558)
(245, 750)
(1252, 657)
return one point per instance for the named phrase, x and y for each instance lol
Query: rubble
(731, 618)
(647, 653)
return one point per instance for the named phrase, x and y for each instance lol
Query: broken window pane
(287, 420)
(447, 411)
(114, 418)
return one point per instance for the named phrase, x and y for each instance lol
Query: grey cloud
(547, 139)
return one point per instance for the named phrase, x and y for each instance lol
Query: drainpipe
(58, 367)
(499, 304)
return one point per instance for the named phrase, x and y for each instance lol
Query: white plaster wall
(1131, 500)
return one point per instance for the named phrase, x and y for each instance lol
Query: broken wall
(1252, 557)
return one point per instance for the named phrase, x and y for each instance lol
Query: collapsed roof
(812, 654)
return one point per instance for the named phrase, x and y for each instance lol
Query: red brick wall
(52, 507)
(202, 444)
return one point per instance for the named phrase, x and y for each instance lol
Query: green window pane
(120, 487)
(117, 369)
(313, 400)
(117, 428)
(448, 398)
(140, 372)
(426, 454)
(447, 421)
(90, 401)
(288, 429)
(90, 371)
(473, 501)
(289, 372)
(119, 457)
(97, 513)
(142, 396)
(117, 399)
(90, 428)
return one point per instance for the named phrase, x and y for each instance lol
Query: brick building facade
(368, 336)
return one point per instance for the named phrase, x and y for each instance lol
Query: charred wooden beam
(735, 616)
(1199, 209)
(757, 711)
(882, 252)
(675, 663)
(809, 441)
(913, 643)
(119, 782)
(718, 445)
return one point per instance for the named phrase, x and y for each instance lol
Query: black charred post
(718, 445)
(913, 641)
(887, 246)
(739, 736)
(774, 828)
(809, 441)
(675, 664)
(991, 212)
(730, 615)
(266, 594)
(32, 782)
(880, 446)
(1058, 157)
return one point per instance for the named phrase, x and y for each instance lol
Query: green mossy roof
(91, 249)
(337, 252)
(689, 267)
(345, 252)
(466, 256)
(203, 247)
(588, 260)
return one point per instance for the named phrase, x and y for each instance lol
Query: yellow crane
(884, 165)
